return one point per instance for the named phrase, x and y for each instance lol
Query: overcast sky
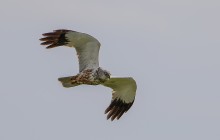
(171, 48)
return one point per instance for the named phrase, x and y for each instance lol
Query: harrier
(87, 48)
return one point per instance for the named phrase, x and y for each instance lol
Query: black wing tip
(55, 38)
(117, 108)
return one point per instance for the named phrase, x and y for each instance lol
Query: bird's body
(87, 48)
(91, 77)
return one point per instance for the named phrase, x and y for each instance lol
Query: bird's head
(103, 75)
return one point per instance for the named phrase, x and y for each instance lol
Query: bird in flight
(87, 48)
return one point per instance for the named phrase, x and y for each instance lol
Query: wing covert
(87, 47)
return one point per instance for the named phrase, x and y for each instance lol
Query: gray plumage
(87, 48)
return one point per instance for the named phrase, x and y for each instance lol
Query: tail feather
(67, 82)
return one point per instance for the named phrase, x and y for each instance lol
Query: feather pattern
(87, 47)
(123, 95)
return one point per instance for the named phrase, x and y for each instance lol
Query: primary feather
(87, 48)
(123, 95)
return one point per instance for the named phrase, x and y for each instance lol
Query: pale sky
(171, 48)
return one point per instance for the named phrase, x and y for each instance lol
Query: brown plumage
(55, 38)
(90, 73)
(117, 108)
(84, 78)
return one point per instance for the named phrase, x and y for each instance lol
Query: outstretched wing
(87, 47)
(123, 95)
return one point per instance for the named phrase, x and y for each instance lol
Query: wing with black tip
(123, 95)
(87, 47)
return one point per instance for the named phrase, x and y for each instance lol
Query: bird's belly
(86, 77)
